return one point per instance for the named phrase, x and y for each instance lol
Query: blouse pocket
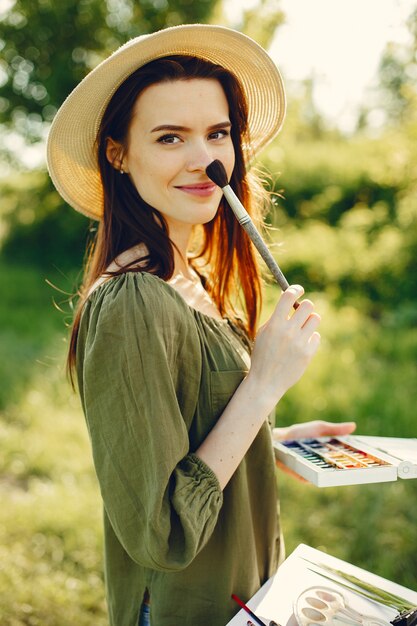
(223, 386)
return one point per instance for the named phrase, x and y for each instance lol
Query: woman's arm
(139, 369)
(282, 351)
(318, 428)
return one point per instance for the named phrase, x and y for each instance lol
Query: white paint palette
(351, 460)
(321, 606)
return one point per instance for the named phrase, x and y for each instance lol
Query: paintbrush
(246, 608)
(251, 613)
(216, 172)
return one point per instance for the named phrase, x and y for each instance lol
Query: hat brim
(71, 153)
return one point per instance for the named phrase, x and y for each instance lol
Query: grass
(50, 518)
(50, 522)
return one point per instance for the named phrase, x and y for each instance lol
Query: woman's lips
(199, 189)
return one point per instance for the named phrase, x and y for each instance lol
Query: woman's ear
(114, 154)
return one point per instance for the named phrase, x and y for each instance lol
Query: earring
(121, 169)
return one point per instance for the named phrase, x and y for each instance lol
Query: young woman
(175, 379)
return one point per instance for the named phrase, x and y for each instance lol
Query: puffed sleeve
(139, 369)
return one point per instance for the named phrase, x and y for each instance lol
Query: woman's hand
(284, 347)
(318, 428)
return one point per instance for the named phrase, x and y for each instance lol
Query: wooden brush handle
(263, 250)
(245, 221)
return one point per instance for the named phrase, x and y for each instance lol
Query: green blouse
(154, 376)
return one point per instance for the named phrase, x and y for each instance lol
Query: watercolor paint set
(351, 460)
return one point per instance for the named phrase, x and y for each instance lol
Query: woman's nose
(200, 156)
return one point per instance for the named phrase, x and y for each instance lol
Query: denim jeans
(144, 617)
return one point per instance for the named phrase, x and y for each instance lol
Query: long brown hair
(225, 255)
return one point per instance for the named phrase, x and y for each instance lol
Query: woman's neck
(181, 238)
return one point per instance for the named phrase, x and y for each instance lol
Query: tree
(397, 81)
(47, 47)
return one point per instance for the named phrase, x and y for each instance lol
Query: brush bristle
(216, 172)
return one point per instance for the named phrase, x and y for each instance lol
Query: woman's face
(177, 129)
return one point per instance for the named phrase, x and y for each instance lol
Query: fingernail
(296, 289)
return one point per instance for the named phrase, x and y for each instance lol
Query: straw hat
(71, 153)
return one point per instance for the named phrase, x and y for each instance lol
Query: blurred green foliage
(47, 48)
(349, 217)
(38, 227)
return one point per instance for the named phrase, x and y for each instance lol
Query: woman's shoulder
(136, 292)
(131, 314)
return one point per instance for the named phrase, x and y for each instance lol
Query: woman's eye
(168, 139)
(219, 134)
